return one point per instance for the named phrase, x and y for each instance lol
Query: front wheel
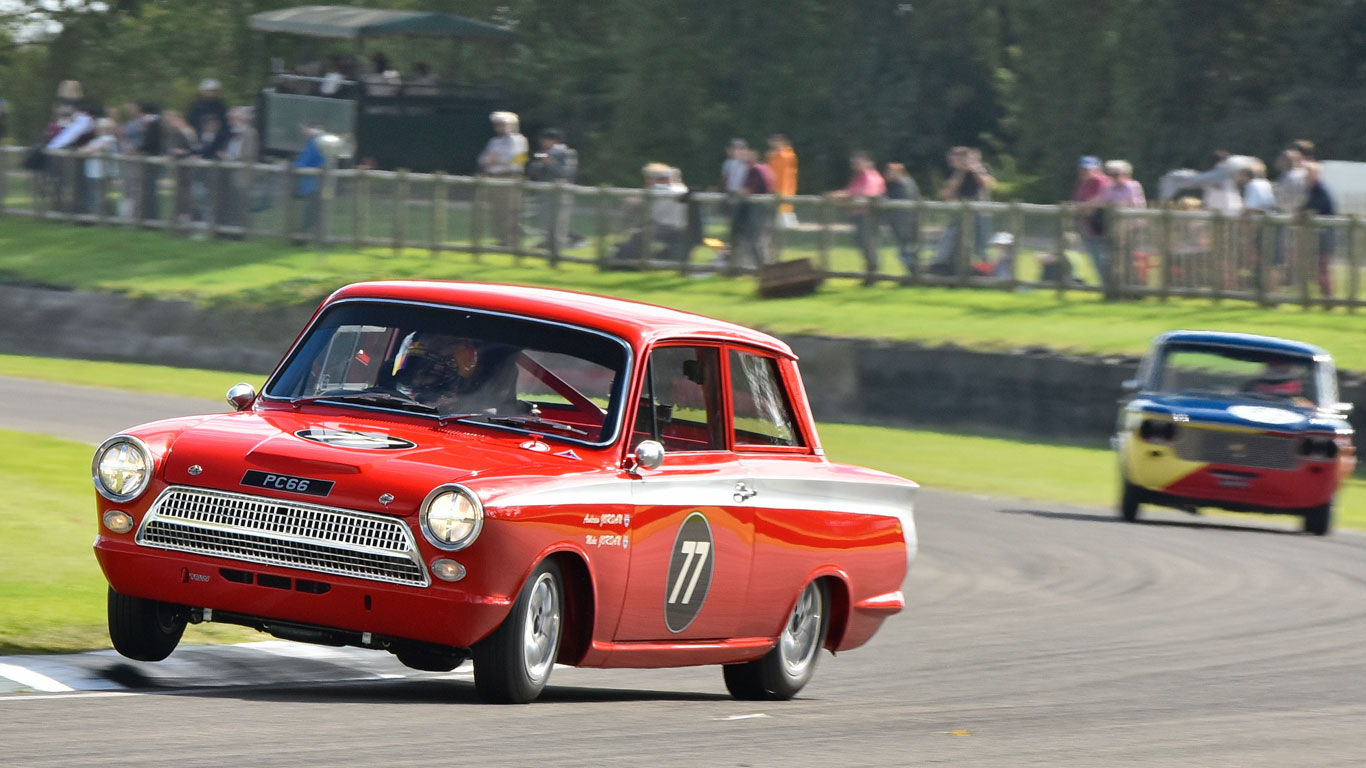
(511, 665)
(142, 629)
(1319, 520)
(1129, 499)
(786, 669)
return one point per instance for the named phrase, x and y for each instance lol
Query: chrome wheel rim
(798, 645)
(541, 631)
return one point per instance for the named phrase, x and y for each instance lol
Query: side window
(763, 414)
(680, 404)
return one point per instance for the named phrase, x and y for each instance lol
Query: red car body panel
(808, 518)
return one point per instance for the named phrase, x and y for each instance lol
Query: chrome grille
(286, 533)
(1236, 448)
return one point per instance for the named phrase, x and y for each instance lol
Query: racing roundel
(690, 567)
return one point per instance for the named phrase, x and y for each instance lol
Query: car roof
(635, 321)
(1243, 341)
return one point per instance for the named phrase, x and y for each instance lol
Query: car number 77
(699, 549)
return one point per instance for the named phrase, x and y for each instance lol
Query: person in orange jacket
(782, 160)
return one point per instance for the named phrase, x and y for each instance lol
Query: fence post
(360, 207)
(1263, 242)
(602, 224)
(400, 211)
(872, 228)
(173, 222)
(247, 199)
(1219, 244)
(215, 182)
(439, 183)
(647, 232)
(101, 195)
(1304, 247)
(4, 181)
(1353, 276)
(1016, 225)
(1164, 253)
(518, 218)
(967, 242)
(1064, 270)
(291, 202)
(552, 233)
(823, 241)
(776, 229)
(324, 195)
(477, 195)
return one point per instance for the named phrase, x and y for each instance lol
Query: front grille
(286, 533)
(1236, 448)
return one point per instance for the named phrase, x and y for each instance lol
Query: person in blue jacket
(307, 188)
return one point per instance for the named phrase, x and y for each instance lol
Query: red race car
(520, 476)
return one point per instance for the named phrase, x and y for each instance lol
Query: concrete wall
(1034, 395)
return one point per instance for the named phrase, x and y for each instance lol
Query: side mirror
(241, 395)
(649, 455)
(1130, 385)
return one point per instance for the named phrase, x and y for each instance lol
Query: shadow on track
(1205, 524)
(419, 691)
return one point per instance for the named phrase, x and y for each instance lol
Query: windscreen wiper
(376, 398)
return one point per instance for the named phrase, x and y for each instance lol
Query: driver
(436, 368)
(1280, 379)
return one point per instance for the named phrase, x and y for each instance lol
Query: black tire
(1319, 520)
(785, 670)
(512, 665)
(142, 629)
(1129, 499)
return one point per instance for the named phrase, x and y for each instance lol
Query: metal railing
(1269, 259)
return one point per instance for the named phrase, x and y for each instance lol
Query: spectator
(100, 167)
(383, 79)
(1218, 184)
(1121, 192)
(208, 104)
(504, 157)
(309, 187)
(1319, 202)
(422, 82)
(152, 145)
(1259, 199)
(905, 224)
(667, 209)
(751, 243)
(1092, 183)
(864, 183)
(75, 126)
(1290, 188)
(334, 79)
(782, 160)
(554, 162)
(968, 181)
(733, 172)
(182, 143)
(243, 147)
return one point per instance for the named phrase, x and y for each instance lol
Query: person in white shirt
(99, 164)
(504, 157)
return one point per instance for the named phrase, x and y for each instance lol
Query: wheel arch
(580, 606)
(836, 583)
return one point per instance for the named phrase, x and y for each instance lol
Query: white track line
(30, 679)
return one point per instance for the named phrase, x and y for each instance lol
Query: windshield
(1232, 372)
(460, 365)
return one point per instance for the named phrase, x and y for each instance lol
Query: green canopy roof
(352, 23)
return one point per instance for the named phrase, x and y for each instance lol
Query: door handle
(743, 492)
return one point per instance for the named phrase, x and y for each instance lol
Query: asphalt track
(1035, 634)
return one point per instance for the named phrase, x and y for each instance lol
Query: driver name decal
(690, 570)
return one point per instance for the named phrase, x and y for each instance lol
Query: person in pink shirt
(865, 183)
(1092, 184)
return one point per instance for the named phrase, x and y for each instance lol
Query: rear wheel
(512, 665)
(786, 669)
(142, 629)
(1129, 499)
(1319, 520)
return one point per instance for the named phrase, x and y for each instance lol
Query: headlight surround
(452, 517)
(122, 468)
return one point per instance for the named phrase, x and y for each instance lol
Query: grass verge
(150, 379)
(269, 271)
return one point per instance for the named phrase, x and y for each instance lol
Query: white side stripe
(30, 679)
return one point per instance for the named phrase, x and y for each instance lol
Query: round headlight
(452, 517)
(122, 468)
